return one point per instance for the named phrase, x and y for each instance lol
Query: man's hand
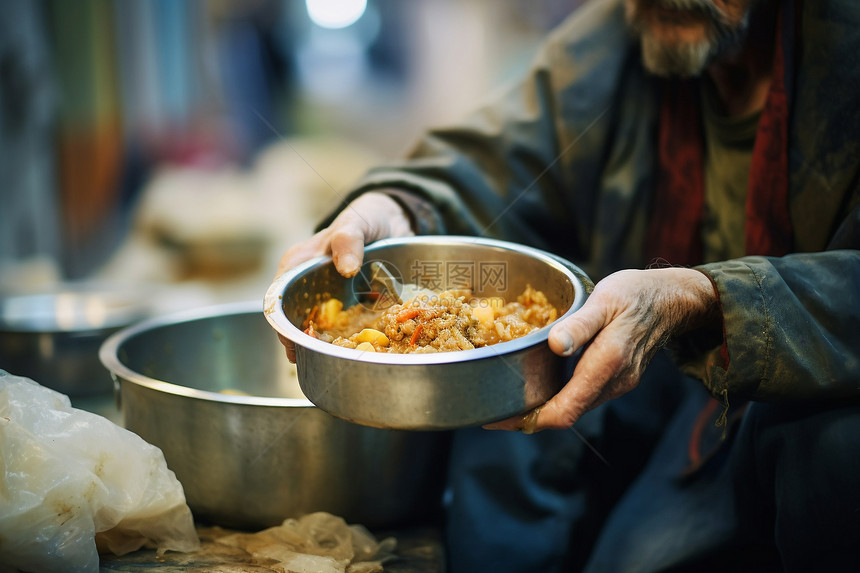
(626, 320)
(372, 216)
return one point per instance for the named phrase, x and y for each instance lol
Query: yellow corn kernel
(365, 347)
(373, 336)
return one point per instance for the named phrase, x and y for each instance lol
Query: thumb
(314, 247)
(569, 335)
(347, 249)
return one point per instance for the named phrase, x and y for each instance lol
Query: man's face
(681, 37)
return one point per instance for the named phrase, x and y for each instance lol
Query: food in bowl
(451, 320)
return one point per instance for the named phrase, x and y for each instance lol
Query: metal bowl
(213, 390)
(54, 336)
(430, 391)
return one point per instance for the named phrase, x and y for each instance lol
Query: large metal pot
(53, 336)
(213, 390)
(430, 391)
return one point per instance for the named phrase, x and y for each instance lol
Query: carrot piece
(311, 332)
(415, 334)
(408, 313)
(311, 317)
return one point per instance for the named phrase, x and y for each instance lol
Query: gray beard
(682, 60)
(685, 59)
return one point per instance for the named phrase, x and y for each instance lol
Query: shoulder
(596, 28)
(589, 54)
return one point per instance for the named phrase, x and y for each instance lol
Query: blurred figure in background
(117, 97)
(720, 136)
(29, 218)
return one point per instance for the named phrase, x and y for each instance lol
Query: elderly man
(719, 139)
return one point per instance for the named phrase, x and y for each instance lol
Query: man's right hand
(370, 217)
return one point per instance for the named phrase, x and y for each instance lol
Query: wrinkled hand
(627, 319)
(372, 216)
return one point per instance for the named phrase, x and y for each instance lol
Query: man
(716, 133)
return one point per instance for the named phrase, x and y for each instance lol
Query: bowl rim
(109, 357)
(273, 308)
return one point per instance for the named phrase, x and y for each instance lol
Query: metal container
(213, 390)
(54, 336)
(430, 391)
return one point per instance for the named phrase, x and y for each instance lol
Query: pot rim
(75, 308)
(109, 356)
(273, 308)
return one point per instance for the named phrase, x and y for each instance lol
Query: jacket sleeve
(791, 324)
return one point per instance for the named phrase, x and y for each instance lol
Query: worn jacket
(566, 162)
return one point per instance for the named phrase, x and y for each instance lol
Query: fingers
(580, 393)
(565, 408)
(608, 368)
(513, 424)
(344, 239)
(289, 346)
(347, 248)
(598, 369)
(585, 389)
(573, 332)
(525, 423)
(370, 217)
(316, 246)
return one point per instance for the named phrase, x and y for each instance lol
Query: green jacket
(566, 162)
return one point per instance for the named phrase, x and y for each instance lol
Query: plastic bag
(73, 479)
(315, 543)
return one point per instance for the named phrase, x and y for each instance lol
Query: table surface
(419, 550)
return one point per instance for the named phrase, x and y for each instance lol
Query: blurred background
(184, 144)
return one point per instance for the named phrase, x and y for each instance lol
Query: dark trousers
(779, 490)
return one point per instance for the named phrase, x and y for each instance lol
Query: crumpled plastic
(315, 543)
(75, 483)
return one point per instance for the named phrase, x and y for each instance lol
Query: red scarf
(675, 234)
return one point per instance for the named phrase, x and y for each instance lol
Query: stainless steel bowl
(430, 391)
(213, 390)
(53, 336)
